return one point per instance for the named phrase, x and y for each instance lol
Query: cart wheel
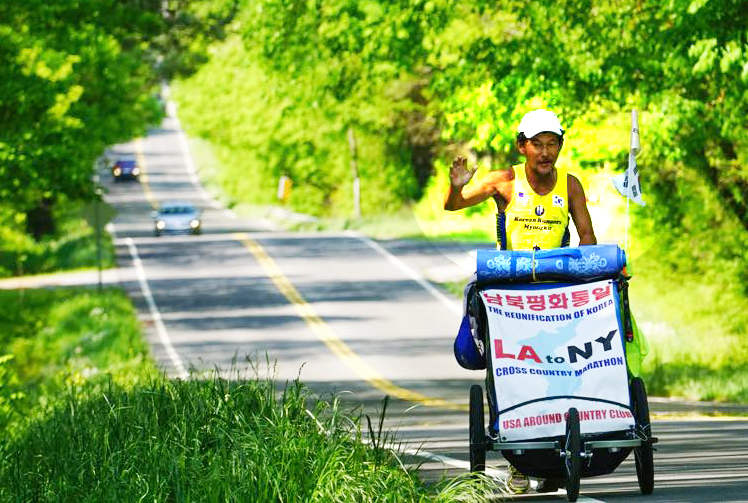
(573, 455)
(644, 454)
(477, 430)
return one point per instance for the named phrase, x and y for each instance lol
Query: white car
(177, 217)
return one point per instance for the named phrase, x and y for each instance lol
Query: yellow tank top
(531, 220)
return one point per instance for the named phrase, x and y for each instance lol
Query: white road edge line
(186, 154)
(163, 335)
(455, 463)
(493, 472)
(451, 304)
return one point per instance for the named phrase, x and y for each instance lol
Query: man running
(533, 204)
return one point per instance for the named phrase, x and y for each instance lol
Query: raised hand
(459, 173)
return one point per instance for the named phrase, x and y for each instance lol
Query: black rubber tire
(573, 458)
(477, 430)
(644, 454)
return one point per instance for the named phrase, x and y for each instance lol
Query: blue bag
(465, 348)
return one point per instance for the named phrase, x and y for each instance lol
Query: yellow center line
(325, 334)
(144, 174)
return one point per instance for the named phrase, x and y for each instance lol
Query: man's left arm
(579, 212)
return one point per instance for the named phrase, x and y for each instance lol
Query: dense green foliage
(429, 74)
(75, 79)
(212, 440)
(77, 76)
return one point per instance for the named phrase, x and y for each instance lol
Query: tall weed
(204, 440)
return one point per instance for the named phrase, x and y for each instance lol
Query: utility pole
(354, 170)
(97, 226)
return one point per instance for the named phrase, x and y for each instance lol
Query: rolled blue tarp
(583, 263)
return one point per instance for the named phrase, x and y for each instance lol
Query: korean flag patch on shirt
(558, 201)
(522, 197)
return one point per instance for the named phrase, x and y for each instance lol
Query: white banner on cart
(556, 348)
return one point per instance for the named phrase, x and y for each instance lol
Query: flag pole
(626, 227)
(629, 184)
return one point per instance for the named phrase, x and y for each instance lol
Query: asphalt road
(356, 318)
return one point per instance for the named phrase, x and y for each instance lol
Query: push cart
(562, 402)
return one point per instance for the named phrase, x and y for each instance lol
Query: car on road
(125, 169)
(177, 217)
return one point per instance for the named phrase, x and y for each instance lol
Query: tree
(78, 76)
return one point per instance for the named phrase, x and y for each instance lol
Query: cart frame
(575, 453)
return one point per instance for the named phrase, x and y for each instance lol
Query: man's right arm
(457, 196)
(457, 200)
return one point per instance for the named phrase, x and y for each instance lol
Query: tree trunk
(39, 220)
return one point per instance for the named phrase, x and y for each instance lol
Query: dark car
(177, 217)
(125, 169)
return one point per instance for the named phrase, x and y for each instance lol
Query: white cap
(540, 121)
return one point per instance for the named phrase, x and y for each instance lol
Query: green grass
(57, 338)
(209, 440)
(87, 417)
(695, 326)
(697, 381)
